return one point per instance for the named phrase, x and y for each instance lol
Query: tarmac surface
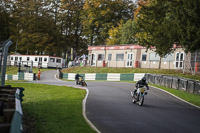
(109, 107)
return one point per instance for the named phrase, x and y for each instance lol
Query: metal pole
(5, 51)
(195, 60)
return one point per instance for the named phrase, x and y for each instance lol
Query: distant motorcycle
(138, 96)
(82, 82)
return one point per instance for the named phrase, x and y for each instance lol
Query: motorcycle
(138, 96)
(81, 81)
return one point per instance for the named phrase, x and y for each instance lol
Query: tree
(33, 28)
(4, 22)
(101, 15)
(71, 27)
(164, 23)
(123, 34)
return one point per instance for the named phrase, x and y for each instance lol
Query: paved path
(110, 109)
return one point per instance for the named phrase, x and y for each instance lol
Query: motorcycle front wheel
(141, 100)
(133, 100)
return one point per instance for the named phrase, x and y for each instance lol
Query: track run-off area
(109, 108)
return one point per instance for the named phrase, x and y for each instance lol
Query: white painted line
(84, 110)
(176, 97)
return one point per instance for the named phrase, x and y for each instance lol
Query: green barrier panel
(9, 77)
(65, 75)
(16, 123)
(101, 76)
(20, 76)
(127, 76)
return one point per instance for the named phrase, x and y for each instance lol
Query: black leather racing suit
(141, 83)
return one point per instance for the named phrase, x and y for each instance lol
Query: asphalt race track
(110, 109)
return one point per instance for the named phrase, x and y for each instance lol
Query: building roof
(116, 47)
(35, 55)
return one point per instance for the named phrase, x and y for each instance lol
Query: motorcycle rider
(141, 83)
(77, 78)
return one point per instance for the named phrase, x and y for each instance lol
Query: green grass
(14, 70)
(192, 98)
(53, 109)
(129, 70)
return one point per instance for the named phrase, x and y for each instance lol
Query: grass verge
(53, 109)
(191, 98)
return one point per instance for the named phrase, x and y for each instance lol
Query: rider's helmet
(144, 79)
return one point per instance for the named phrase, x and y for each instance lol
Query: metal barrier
(188, 85)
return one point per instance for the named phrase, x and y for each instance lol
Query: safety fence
(11, 109)
(21, 76)
(178, 83)
(105, 76)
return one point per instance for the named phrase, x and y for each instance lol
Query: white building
(44, 61)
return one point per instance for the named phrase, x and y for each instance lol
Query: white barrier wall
(113, 77)
(71, 76)
(28, 76)
(90, 76)
(15, 77)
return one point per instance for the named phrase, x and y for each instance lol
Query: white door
(93, 61)
(129, 61)
(179, 60)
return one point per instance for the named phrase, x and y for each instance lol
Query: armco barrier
(147, 75)
(190, 86)
(151, 78)
(11, 119)
(197, 87)
(157, 79)
(175, 83)
(183, 84)
(168, 81)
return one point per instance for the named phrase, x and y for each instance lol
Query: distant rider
(141, 83)
(77, 78)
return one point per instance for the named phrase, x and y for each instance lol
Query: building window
(28, 58)
(45, 59)
(100, 56)
(20, 58)
(168, 57)
(154, 57)
(16, 58)
(52, 59)
(40, 59)
(36, 59)
(11, 58)
(58, 60)
(144, 57)
(119, 57)
(109, 57)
